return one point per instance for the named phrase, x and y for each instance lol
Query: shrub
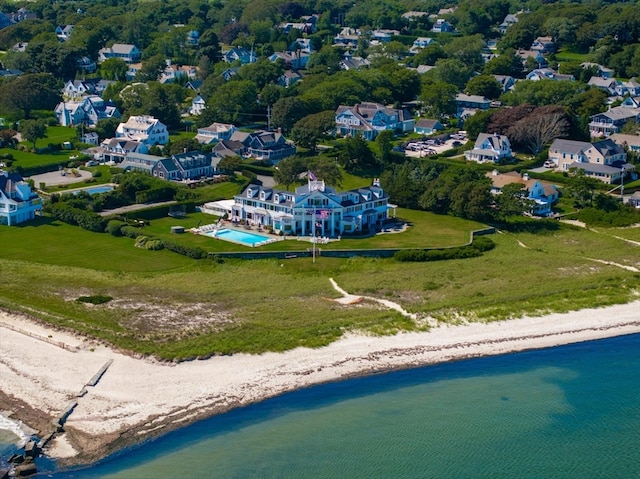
(94, 299)
(96, 174)
(130, 231)
(154, 244)
(479, 245)
(191, 252)
(114, 227)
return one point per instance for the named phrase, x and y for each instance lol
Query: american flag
(312, 177)
(324, 214)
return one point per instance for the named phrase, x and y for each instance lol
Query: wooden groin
(96, 377)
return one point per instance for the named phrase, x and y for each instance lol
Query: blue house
(425, 126)
(17, 202)
(368, 119)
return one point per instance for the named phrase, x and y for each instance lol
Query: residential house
(140, 162)
(603, 159)
(628, 142)
(442, 26)
(368, 119)
(425, 126)
(548, 74)
(239, 54)
(489, 148)
(87, 111)
(194, 85)
(509, 20)
(229, 148)
(288, 78)
(536, 56)
(193, 38)
(5, 21)
(21, 15)
(229, 73)
(9, 73)
(348, 38)
(467, 105)
(631, 88)
(542, 194)
(420, 43)
(314, 209)
(173, 73)
(267, 146)
(302, 45)
(506, 82)
(126, 52)
(607, 84)
(543, 45)
(198, 104)
(634, 200)
(90, 138)
(143, 129)
(17, 202)
(64, 33)
(214, 133)
(75, 89)
(86, 64)
(189, 165)
(294, 60)
(603, 72)
(611, 121)
(349, 62)
(307, 24)
(117, 149)
(381, 35)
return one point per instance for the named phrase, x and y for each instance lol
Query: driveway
(55, 178)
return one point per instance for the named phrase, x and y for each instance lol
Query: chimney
(525, 176)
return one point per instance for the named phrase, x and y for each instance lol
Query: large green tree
(308, 131)
(37, 91)
(32, 131)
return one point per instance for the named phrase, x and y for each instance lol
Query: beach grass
(174, 308)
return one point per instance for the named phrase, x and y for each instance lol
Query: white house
(198, 104)
(17, 202)
(88, 111)
(143, 129)
(489, 148)
(214, 133)
(368, 119)
(313, 209)
(128, 53)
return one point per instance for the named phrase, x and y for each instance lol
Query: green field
(175, 308)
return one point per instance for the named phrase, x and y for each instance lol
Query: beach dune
(42, 370)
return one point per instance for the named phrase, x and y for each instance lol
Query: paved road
(126, 209)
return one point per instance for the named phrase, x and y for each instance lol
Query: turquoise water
(566, 412)
(94, 190)
(242, 237)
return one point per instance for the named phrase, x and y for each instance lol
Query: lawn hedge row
(476, 248)
(85, 219)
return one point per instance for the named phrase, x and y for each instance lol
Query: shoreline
(138, 398)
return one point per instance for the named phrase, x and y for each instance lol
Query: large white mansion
(333, 213)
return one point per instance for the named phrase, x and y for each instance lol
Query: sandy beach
(42, 370)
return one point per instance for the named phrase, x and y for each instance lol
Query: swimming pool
(240, 237)
(94, 190)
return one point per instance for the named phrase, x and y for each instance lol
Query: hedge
(473, 250)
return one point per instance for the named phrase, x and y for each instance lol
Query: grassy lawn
(262, 305)
(26, 159)
(567, 56)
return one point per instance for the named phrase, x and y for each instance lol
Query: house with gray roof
(611, 121)
(18, 203)
(603, 160)
(189, 165)
(426, 126)
(606, 84)
(368, 119)
(314, 209)
(542, 194)
(126, 52)
(489, 148)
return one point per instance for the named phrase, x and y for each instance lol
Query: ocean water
(564, 412)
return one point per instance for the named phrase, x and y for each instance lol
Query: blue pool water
(94, 190)
(565, 412)
(242, 237)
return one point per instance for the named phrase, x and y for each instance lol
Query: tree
(230, 164)
(507, 63)
(356, 155)
(478, 123)
(453, 71)
(289, 170)
(183, 145)
(33, 130)
(512, 201)
(439, 98)
(484, 85)
(308, 131)
(542, 126)
(159, 102)
(383, 142)
(30, 92)
(287, 112)
(232, 102)
(151, 68)
(326, 169)
(114, 69)
(8, 138)
(581, 186)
